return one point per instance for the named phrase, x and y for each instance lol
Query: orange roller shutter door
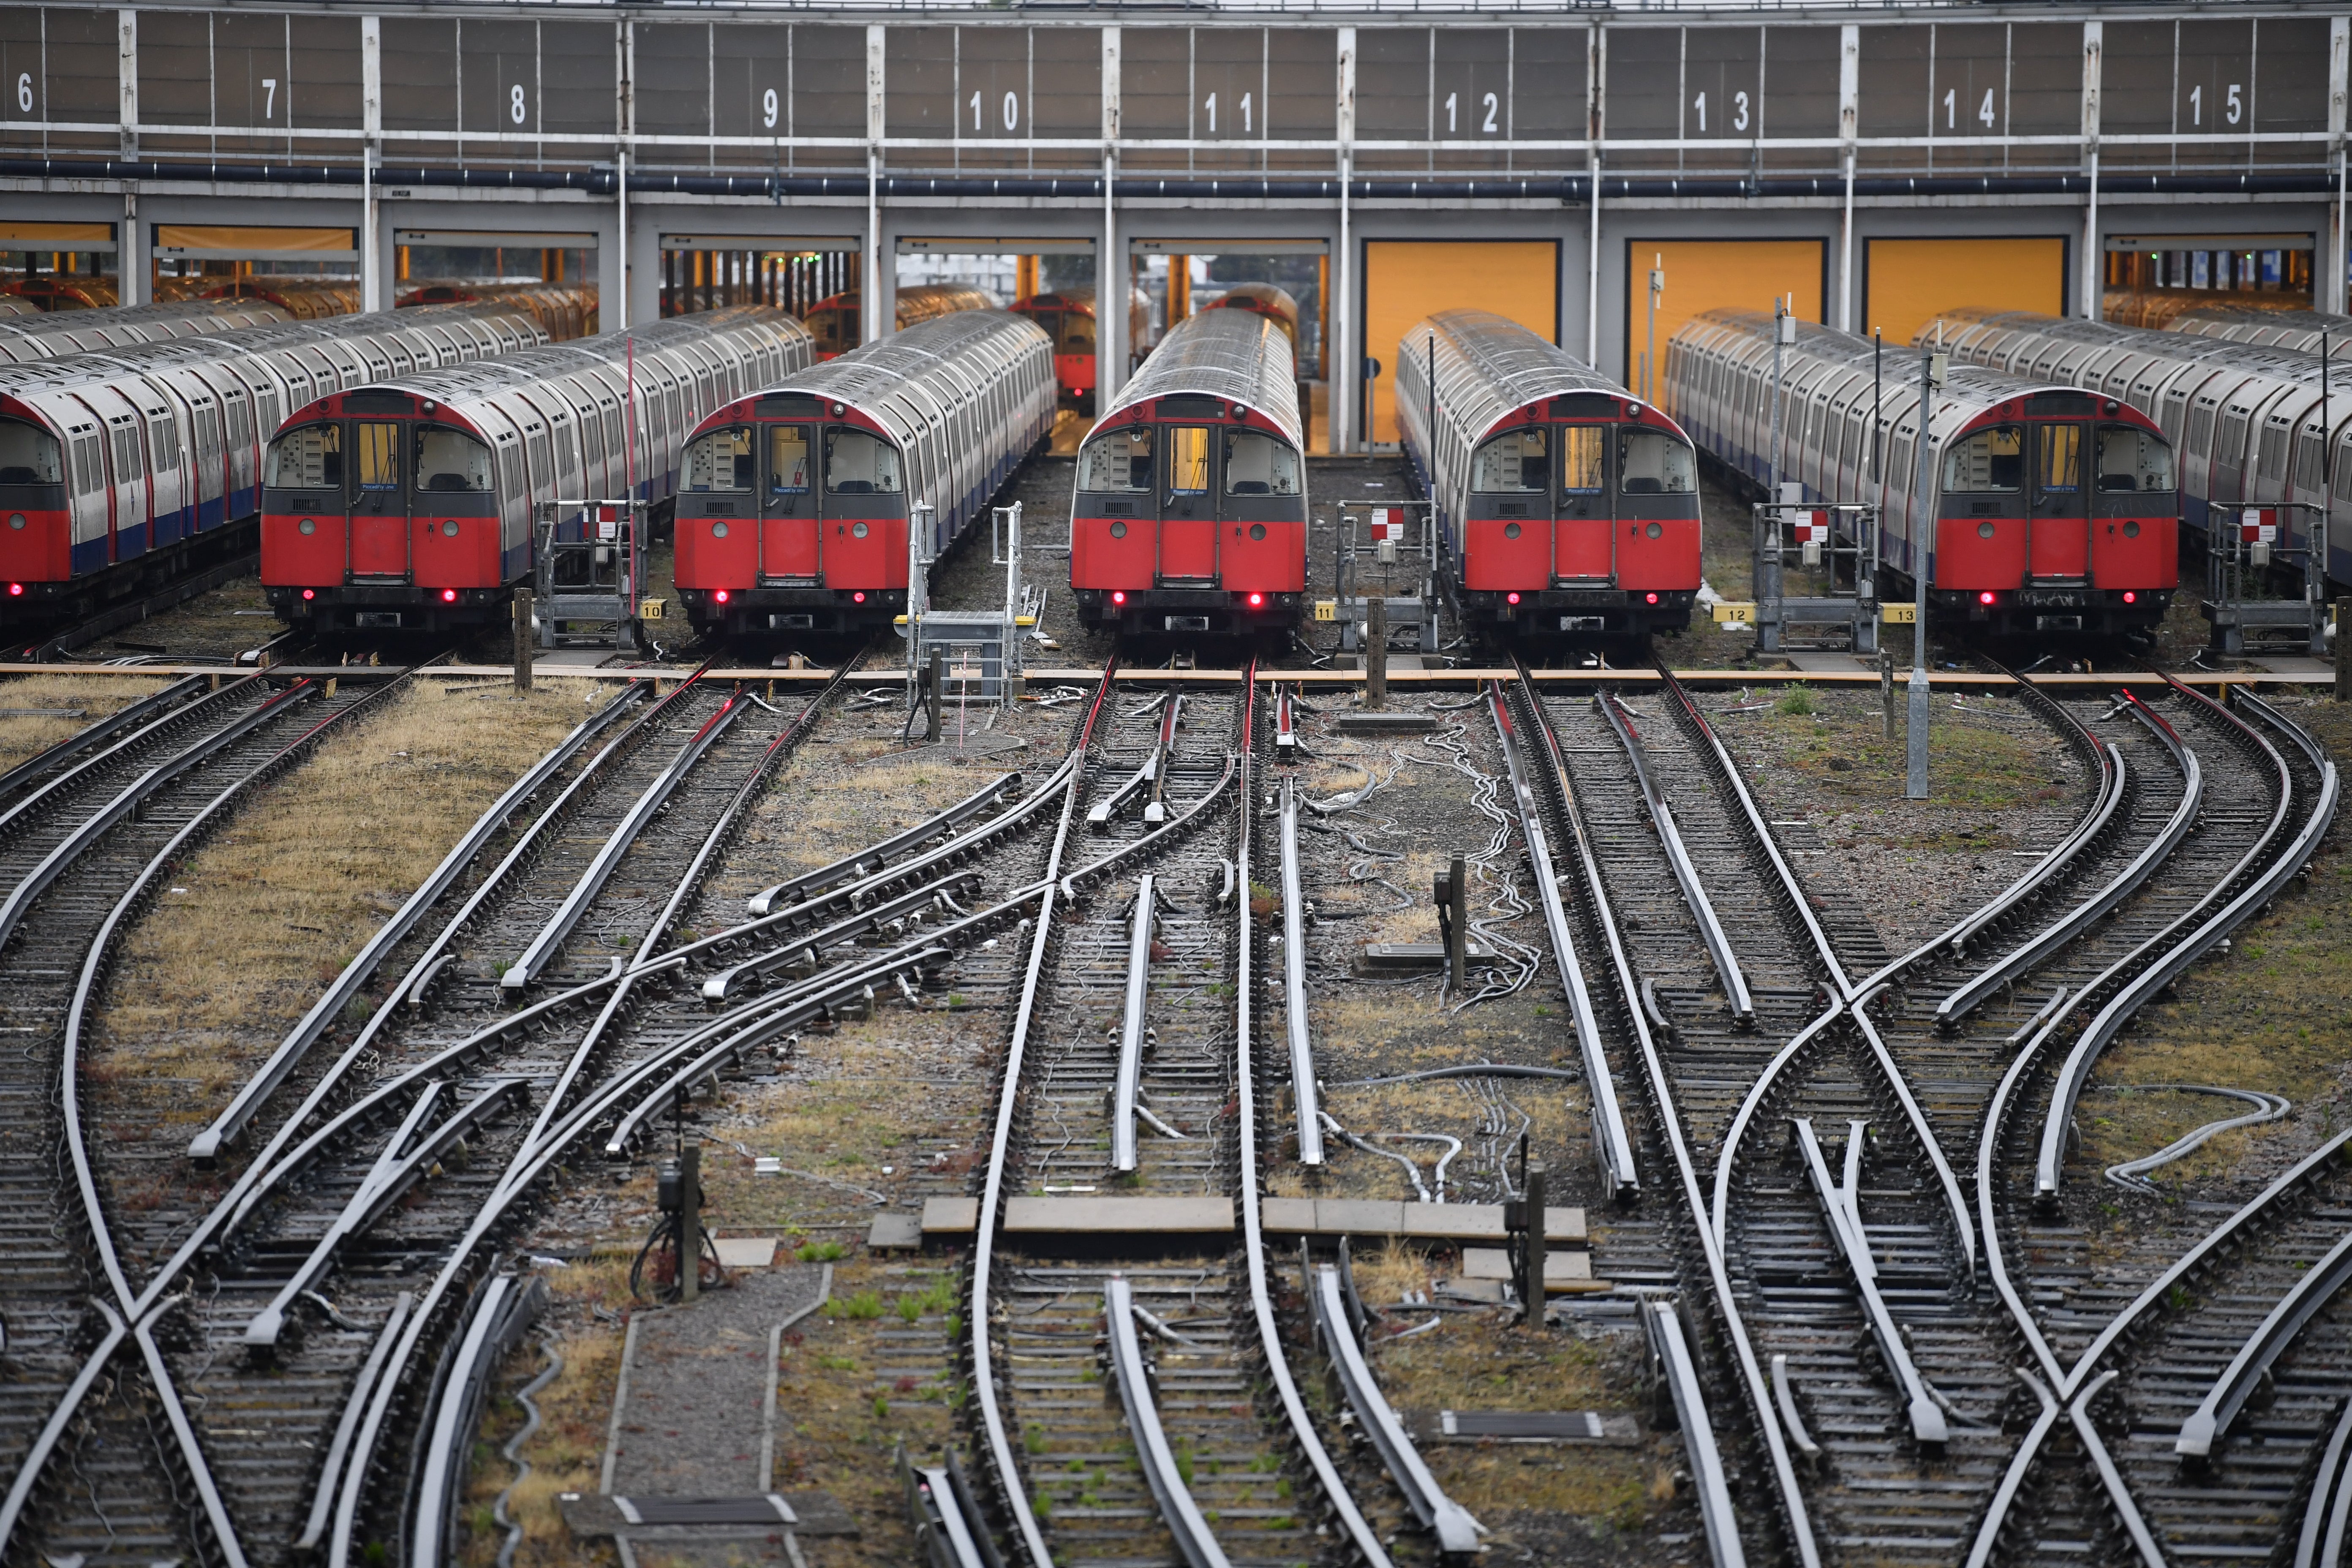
(1704, 274)
(1908, 282)
(1407, 280)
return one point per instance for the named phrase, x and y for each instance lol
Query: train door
(1188, 510)
(2058, 543)
(790, 545)
(379, 502)
(1582, 537)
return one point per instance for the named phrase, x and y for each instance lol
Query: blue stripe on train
(89, 556)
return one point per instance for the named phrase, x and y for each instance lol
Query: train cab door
(1583, 537)
(2058, 538)
(379, 513)
(1188, 510)
(791, 543)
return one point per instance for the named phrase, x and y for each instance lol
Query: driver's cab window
(720, 463)
(788, 459)
(310, 458)
(858, 464)
(1514, 463)
(1188, 460)
(379, 454)
(1583, 460)
(1118, 462)
(2058, 469)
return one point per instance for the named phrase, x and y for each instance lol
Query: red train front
(1190, 507)
(1568, 505)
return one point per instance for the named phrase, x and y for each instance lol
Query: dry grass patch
(316, 862)
(809, 826)
(80, 701)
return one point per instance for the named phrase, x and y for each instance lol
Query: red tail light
(16, 590)
(448, 595)
(1119, 597)
(1986, 597)
(1256, 600)
(310, 593)
(2130, 597)
(1510, 598)
(858, 597)
(720, 595)
(1652, 597)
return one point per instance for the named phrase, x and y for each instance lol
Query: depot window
(1258, 464)
(1188, 460)
(1990, 461)
(858, 464)
(788, 459)
(1653, 463)
(309, 458)
(1515, 463)
(720, 463)
(2131, 459)
(28, 455)
(451, 461)
(1118, 462)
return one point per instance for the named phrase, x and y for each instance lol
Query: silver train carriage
(410, 502)
(2244, 417)
(2052, 510)
(24, 338)
(1566, 503)
(112, 464)
(2302, 330)
(795, 504)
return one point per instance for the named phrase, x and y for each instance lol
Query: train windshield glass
(1188, 460)
(788, 459)
(1583, 460)
(1077, 333)
(2058, 465)
(1258, 464)
(309, 458)
(1119, 462)
(1512, 464)
(451, 460)
(28, 454)
(378, 444)
(1990, 461)
(858, 464)
(1653, 463)
(2129, 460)
(719, 462)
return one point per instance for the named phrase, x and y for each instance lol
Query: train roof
(1240, 356)
(883, 380)
(1489, 367)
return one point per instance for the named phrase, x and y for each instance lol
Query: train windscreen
(858, 464)
(1653, 463)
(309, 458)
(28, 455)
(450, 462)
(2132, 460)
(1118, 463)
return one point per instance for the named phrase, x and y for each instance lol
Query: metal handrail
(1178, 1511)
(1843, 1205)
(1306, 1110)
(1663, 1327)
(2045, 943)
(1662, 817)
(1613, 1143)
(876, 856)
(1128, 1083)
(271, 1075)
(2211, 1421)
(1455, 1531)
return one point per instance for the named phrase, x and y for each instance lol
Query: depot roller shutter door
(1704, 274)
(1907, 282)
(1405, 280)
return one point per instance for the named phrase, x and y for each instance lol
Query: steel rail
(2119, 1498)
(946, 1524)
(128, 800)
(906, 905)
(876, 856)
(271, 1076)
(1843, 1206)
(2013, 1478)
(607, 860)
(2320, 1542)
(1662, 818)
(104, 729)
(1151, 776)
(1664, 1327)
(322, 1494)
(490, 1330)
(2038, 949)
(1795, 1518)
(1350, 1518)
(1448, 1520)
(1094, 871)
(61, 1416)
(225, 697)
(1195, 1543)
(998, 1441)
(1613, 1143)
(1751, 1106)
(1126, 1086)
(2211, 1420)
(2170, 961)
(1304, 1090)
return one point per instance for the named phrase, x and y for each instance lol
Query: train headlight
(16, 590)
(2131, 530)
(857, 530)
(1512, 530)
(717, 531)
(1984, 530)
(450, 527)
(1654, 530)
(16, 520)
(448, 595)
(1986, 597)
(308, 525)
(1258, 530)
(1119, 531)
(858, 597)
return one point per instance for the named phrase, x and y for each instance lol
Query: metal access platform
(1391, 546)
(1841, 537)
(977, 653)
(2248, 561)
(584, 591)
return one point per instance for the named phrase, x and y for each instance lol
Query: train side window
(1653, 463)
(2132, 460)
(1077, 333)
(719, 462)
(450, 461)
(1118, 462)
(1515, 463)
(1258, 464)
(788, 459)
(377, 449)
(858, 464)
(310, 458)
(1989, 461)
(1188, 460)
(1583, 460)
(28, 454)
(2058, 459)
